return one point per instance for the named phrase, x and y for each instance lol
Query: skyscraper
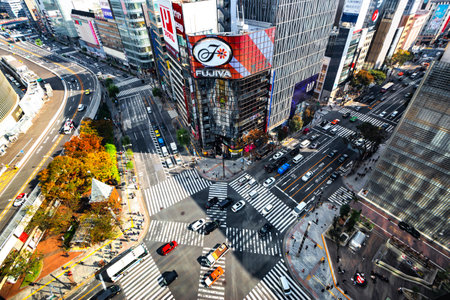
(14, 8)
(411, 180)
(302, 30)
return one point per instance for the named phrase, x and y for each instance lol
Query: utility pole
(303, 240)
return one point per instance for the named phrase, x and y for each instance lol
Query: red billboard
(231, 56)
(178, 17)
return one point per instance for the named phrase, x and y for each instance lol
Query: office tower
(57, 14)
(10, 111)
(130, 21)
(13, 8)
(302, 31)
(412, 25)
(411, 179)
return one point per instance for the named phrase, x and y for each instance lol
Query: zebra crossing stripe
(167, 231)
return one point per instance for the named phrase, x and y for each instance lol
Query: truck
(214, 257)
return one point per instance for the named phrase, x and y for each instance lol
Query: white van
(298, 159)
(174, 148)
(169, 163)
(305, 143)
(285, 286)
(297, 211)
(253, 194)
(357, 241)
(164, 151)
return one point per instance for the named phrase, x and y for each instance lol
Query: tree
(183, 137)
(126, 140)
(38, 42)
(363, 78)
(79, 146)
(100, 165)
(296, 123)
(401, 56)
(255, 135)
(18, 263)
(344, 210)
(371, 132)
(113, 90)
(156, 92)
(282, 133)
(378, 75)
(108, 82)
(102, 229)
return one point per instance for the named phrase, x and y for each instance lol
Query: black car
(167, 278)
(332, 153)
(225, 203)
(110, 292)
(265, 230)
(404, 226)
(210, 203)
(346, 115)
(269, 168)
(412, 231)
(323, 123)
(282, 161)
(334, 176)
(211, 226)
(294, 151)
(343, 158)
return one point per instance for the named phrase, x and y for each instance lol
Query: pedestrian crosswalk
(341, 196)
(280, 216)
(247, 240)
(219, 190)
(133, 90)
(366, 118)
(173, 190)
(217, 290)
(167, 231)
(127, 82)
(172, 114)
(141, 282)
(270, 288)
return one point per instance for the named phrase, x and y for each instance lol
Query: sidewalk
(312, 268)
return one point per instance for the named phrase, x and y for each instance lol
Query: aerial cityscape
(224, 149)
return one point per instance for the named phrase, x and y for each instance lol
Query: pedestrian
(303, 270)
(287, 252)
(315, 246)
(343, 281)
(306, 248)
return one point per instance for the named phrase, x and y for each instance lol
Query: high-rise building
(410, 180)
(57, 14)
(412, 25)
(130, 21)
(13, 8)
(10, 111)
(437, 22)
(302, 31)
(88, 34)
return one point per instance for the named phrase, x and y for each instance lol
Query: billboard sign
(178, 17)
(106, 9)
(168, 24)
(302, 91)
(231, 56)
(351, 11)
(376, 13)
(436, 21)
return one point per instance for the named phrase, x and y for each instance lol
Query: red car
(335, 122)
(169, 247)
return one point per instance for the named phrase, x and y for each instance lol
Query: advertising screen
(106, 9)
(351, 11)
(436, 21)
(168, 24)
(231, 57)
(86, 31)
(302, 91)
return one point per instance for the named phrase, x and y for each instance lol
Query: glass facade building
(411, 179)
(302, 31)
(129, 18)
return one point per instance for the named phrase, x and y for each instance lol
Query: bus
(386, 87)
(130, 258)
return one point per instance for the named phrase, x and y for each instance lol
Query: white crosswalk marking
(167, 231)
(127, 81)
(269, 287)
(247, 240)
(173, 190)
(134, 90)
(366, 118)
(219, 190)
(280, 216)
(217, 290)
(341, 196)
(141, 282)
(172, 114)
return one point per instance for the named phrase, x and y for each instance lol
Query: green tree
(363, 78)
(108, 82)
(18, 263)
(344, 210)
(129, 165)
(38, 42)
(156, 92)
(401, 56)
(103, 227)
(183, 137)
(378, 75)
(113, 90)
(371, 132)
(295, 124)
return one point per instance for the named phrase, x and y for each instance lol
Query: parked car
(238, 206)
(269, 181)
(198, 224)
(210, 203)
(20, 199)
(211, 226)
(265, 230)
(169, 247)
(307, 176)
(267, 209)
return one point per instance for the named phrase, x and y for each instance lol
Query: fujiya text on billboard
(212, 52)
(213, 73)
(170, 36)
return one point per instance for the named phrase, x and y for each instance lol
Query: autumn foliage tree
(81, 145)
(255, 134)
(363, 77)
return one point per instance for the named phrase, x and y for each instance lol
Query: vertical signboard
(106, 9)
(168, 24)
(178, 17)
(436, 20)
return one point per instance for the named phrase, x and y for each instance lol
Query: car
(385, 126)
(108, 293)
(307, 176)
(332, 153)
(394, 114)
(284, 168)
(335, 122)
(412, 231)
(269, 168)
(157, 133)
(198, 224)
(269, 181)
(333, 131)
(405, 84)
(211, 226)
(323, 123)
(305, 143)
(267, 209)
(404, 226)
(167, 278)
(244, 179)
(343, 158)
(20, 199)
(314, 145)
(359, 142)
(225, 203)
(169, 247)
(382, 114)
(263, 231)
(238, 206)
(346, 115)
(408, 95)
(305, 131)
(81, 107)
(285, 286)
(400, 73)
(277, 155)
(334, 176)
(314, 137)
(210, 203)
(73, 80)
(382, 99)
(87, 92)
(155, 127)
(149, 109)
(294, 151)
(282, 161)
(209, 281)
(357, 108)
(394, 89)
(353, 119)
